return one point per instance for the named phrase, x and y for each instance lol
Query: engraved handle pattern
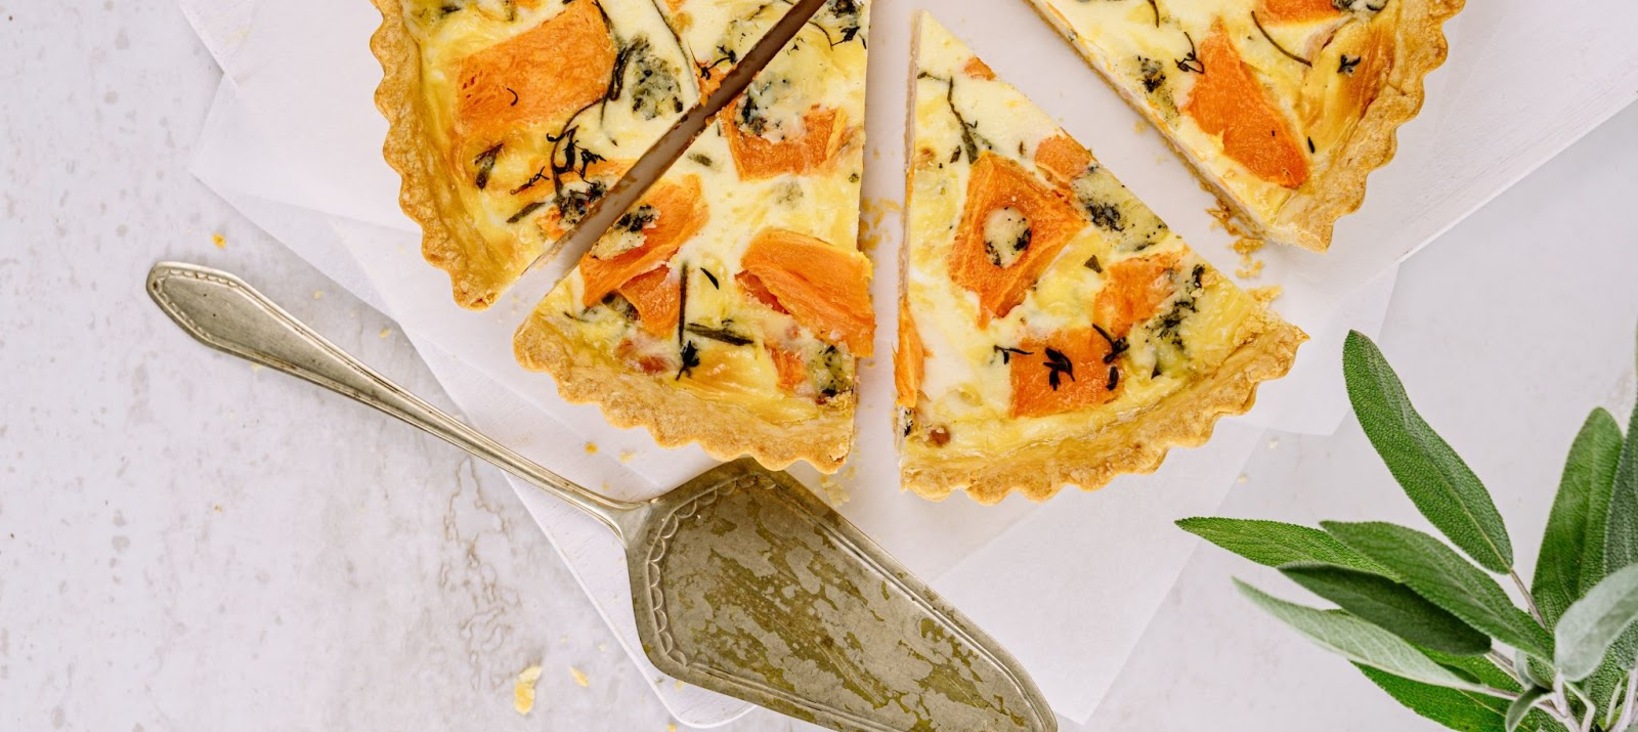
(223, 312)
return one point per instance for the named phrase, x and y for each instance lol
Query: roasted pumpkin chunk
(757, 157)
(644, 239)
(658, 300)
(825, 288)
(501, 87)
(910, 359)
(1069, 371)
(1296, 11)
(1011, 230)
(1133, 292)
(1062, 159)
(1228, 101)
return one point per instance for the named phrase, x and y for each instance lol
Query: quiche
(730, 306)
(1052, 330)
(1282, 107)
(509, 119)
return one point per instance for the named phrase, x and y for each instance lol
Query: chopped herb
(1007, 353)
(1117, 346)
(1294, 57)
(1153, 5)
(1311, 149)
(514, 96)
(1347, 64)
(702, 159)
(690, 360)
(486, 166)
(1153, 74)
(1094, 265)
(713, 278)
(721, 335)
(1114, 378)
(525, 211)
(1191, 63)
(1058, 365)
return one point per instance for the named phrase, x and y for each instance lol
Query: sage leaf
(1271, 543)
(1571, 558)
(1522, 706)
(1593, 624)
(1441, 485)
(1391, 606)
(1358, 641)
(1463, 711)
(1438, 573)
(1621, 534)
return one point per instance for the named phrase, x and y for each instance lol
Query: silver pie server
(743, 582)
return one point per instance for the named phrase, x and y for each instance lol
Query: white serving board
(294, 142)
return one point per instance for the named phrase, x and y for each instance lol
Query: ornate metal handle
(223, 312)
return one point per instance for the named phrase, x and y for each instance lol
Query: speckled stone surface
(188, 543)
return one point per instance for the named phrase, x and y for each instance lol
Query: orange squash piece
(1133, 292)
(1063, 373)
(501, 87)
(977, 69)
(910, 359)
(1296, 11)
(757, 157)
(791, 368)
(658, 300)
(1228, 101)
(824, 288)
(997, 183)
(1062, 158)
(681, 215)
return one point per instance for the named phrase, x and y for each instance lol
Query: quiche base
(1137, 445)
(1336, 188)
(448, 239)
(676, 417)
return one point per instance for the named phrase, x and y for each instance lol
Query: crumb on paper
(601, 647)
(672, 727)
(1141, 126)
(1249, 268)
(219, 240)
(580, 677)
(679, 684)
(255, 367)
(833, 491)
(318, 294)
(385, 332)
(591, 448)
(873, 213)
(1273, 443)
(1243, 479)
(1266, 295)
(523, 692)
(627, 456)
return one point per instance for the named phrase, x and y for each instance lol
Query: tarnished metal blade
(654, 163)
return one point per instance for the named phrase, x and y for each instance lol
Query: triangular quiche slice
(509, 119)
(1052, 330)
(1283, 107)
(729, 308)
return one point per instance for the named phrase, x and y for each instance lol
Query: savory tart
(730, 306)
(1283, 107)
(510, 119)
(1052, 329)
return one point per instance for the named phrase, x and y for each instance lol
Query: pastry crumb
(872, 213)
(1249, 268)
(601, 647)
(580, 677)
(1243, 479)
(318, 294)
(833, 491)
(219, 240)
(1266, 295)
(523, 692)
(591, 448)
(385, 332)
(627, 456)
(1141, 126)
(1274, 443)
(679, 684)
(671, 727)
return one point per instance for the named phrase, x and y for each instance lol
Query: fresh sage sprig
(1434, 628)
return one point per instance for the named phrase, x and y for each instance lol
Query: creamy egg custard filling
(729, 308)
(1283, 107)
(511, 119)
(1052, 329)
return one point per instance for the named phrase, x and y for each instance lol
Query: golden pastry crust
(1336, 187)
(428, 195)
(677, 417)
(1139, 444)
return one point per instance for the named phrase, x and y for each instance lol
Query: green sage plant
(1429, 621)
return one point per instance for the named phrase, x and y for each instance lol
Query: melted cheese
(822, 203)
(966, 402)
(1295, 56)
